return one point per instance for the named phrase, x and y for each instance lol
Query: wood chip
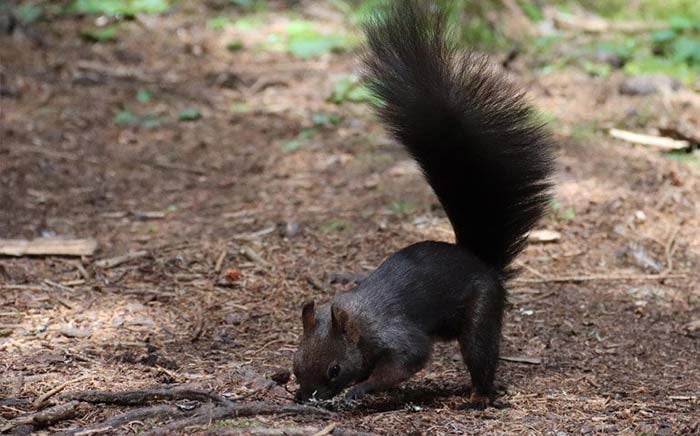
(663, 143)
(544, 236)
(71, 331)
(48, 247)
(522, 359)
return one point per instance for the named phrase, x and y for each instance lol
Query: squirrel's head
(328, 359)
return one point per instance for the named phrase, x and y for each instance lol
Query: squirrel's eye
(333, 371)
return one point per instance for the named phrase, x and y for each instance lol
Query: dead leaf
(233, 274)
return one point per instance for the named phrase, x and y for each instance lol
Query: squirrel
(489, 161)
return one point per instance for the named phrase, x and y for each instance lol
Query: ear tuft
(308, 316)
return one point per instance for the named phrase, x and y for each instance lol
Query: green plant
(28, 13)
(118, 7)
(304, 42)
(350, 89)
(100, 34)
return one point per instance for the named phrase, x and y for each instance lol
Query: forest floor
(248, 192)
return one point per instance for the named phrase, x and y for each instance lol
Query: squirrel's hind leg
(480, 340)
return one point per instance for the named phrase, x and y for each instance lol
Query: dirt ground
(239, 230)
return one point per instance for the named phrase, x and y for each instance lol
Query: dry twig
(665, 144)
(118, 260)
(600, 277)
(40, 402)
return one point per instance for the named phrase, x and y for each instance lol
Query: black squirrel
(489, 161)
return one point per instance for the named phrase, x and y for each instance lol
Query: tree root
(209, 415)
(44, 418)
(141, 397)
(195, 407)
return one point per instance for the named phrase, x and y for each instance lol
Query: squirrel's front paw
(355, 393)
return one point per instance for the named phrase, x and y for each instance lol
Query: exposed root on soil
(194, 407)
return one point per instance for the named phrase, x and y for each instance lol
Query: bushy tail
(475, 138)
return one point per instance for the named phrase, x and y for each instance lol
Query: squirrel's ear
(308, 316)
(341, 324)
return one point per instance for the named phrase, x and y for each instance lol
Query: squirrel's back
(475, 138)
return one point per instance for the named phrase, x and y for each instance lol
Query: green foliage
(125, 117)
(568, 214)
(101, 34)
(655, 64)
(596, 68)
(679, 43)
(151, 120)
(674, 50)
(643, 9)
(118, 7)
(189, 114)
(350, 89)
(402, 207)
(235, 45)
(28, 13)
(250, 5)
(564, 213)
(218, 23)
(325, 119)
(531, 9)
(239, 107)
(304, 42)
(583, 131)
(683, 156)
(143, 95)
(624, 48)
(336, 226)
(301, 139)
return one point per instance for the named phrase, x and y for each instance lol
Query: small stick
(522, 264)
(178, 167)
(666, 144)
(326, 430)
(220, 261)
(252, 255)
(25, 287)
(57, 285)
(522, 359)
(536, 298)
(579, 279)
(40, 402)
(670, 248)
(56, 154)
(116, 261)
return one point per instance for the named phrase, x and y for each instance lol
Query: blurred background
(178, 177)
